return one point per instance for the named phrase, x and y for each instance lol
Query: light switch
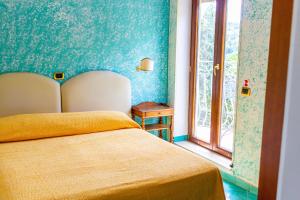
(246, 90)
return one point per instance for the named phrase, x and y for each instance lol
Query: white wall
(179, 73)
(289, 173)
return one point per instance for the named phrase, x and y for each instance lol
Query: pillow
(36, 126)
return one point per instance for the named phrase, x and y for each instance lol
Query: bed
(92, 150)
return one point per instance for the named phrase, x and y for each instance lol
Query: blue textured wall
(75, 36)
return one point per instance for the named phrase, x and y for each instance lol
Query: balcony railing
(204, 95)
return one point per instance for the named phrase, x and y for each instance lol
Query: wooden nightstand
(150, 110)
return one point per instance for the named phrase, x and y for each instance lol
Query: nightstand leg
(171, 129)
(143, 123)
(160, 131)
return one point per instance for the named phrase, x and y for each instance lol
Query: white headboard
(22, 93)
(97, 90)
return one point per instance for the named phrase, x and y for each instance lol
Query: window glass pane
(230, 74)
(207, 16)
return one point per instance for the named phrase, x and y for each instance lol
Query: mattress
(123, 164)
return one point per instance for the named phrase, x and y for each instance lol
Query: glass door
(229, 84)
(206, 45)
(215, 47)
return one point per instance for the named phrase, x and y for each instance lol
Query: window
(214, 59)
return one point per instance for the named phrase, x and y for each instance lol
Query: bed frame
(23, 93)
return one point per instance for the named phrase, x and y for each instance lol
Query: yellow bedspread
(127, 164)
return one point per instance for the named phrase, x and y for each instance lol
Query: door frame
(275, 98)
(220, 28)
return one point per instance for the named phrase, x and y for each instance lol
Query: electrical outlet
(59, 76)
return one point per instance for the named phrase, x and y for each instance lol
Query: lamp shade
(146, 64)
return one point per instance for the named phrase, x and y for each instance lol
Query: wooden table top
(151, 106)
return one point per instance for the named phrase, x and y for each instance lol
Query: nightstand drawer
(159, 113)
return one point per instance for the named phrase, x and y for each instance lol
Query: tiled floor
(234, 192)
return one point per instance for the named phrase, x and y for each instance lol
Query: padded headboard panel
(22, 93)
(97, 90)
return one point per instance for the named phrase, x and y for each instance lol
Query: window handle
(216, 67)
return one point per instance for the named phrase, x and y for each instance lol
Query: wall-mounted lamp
(146, 64)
